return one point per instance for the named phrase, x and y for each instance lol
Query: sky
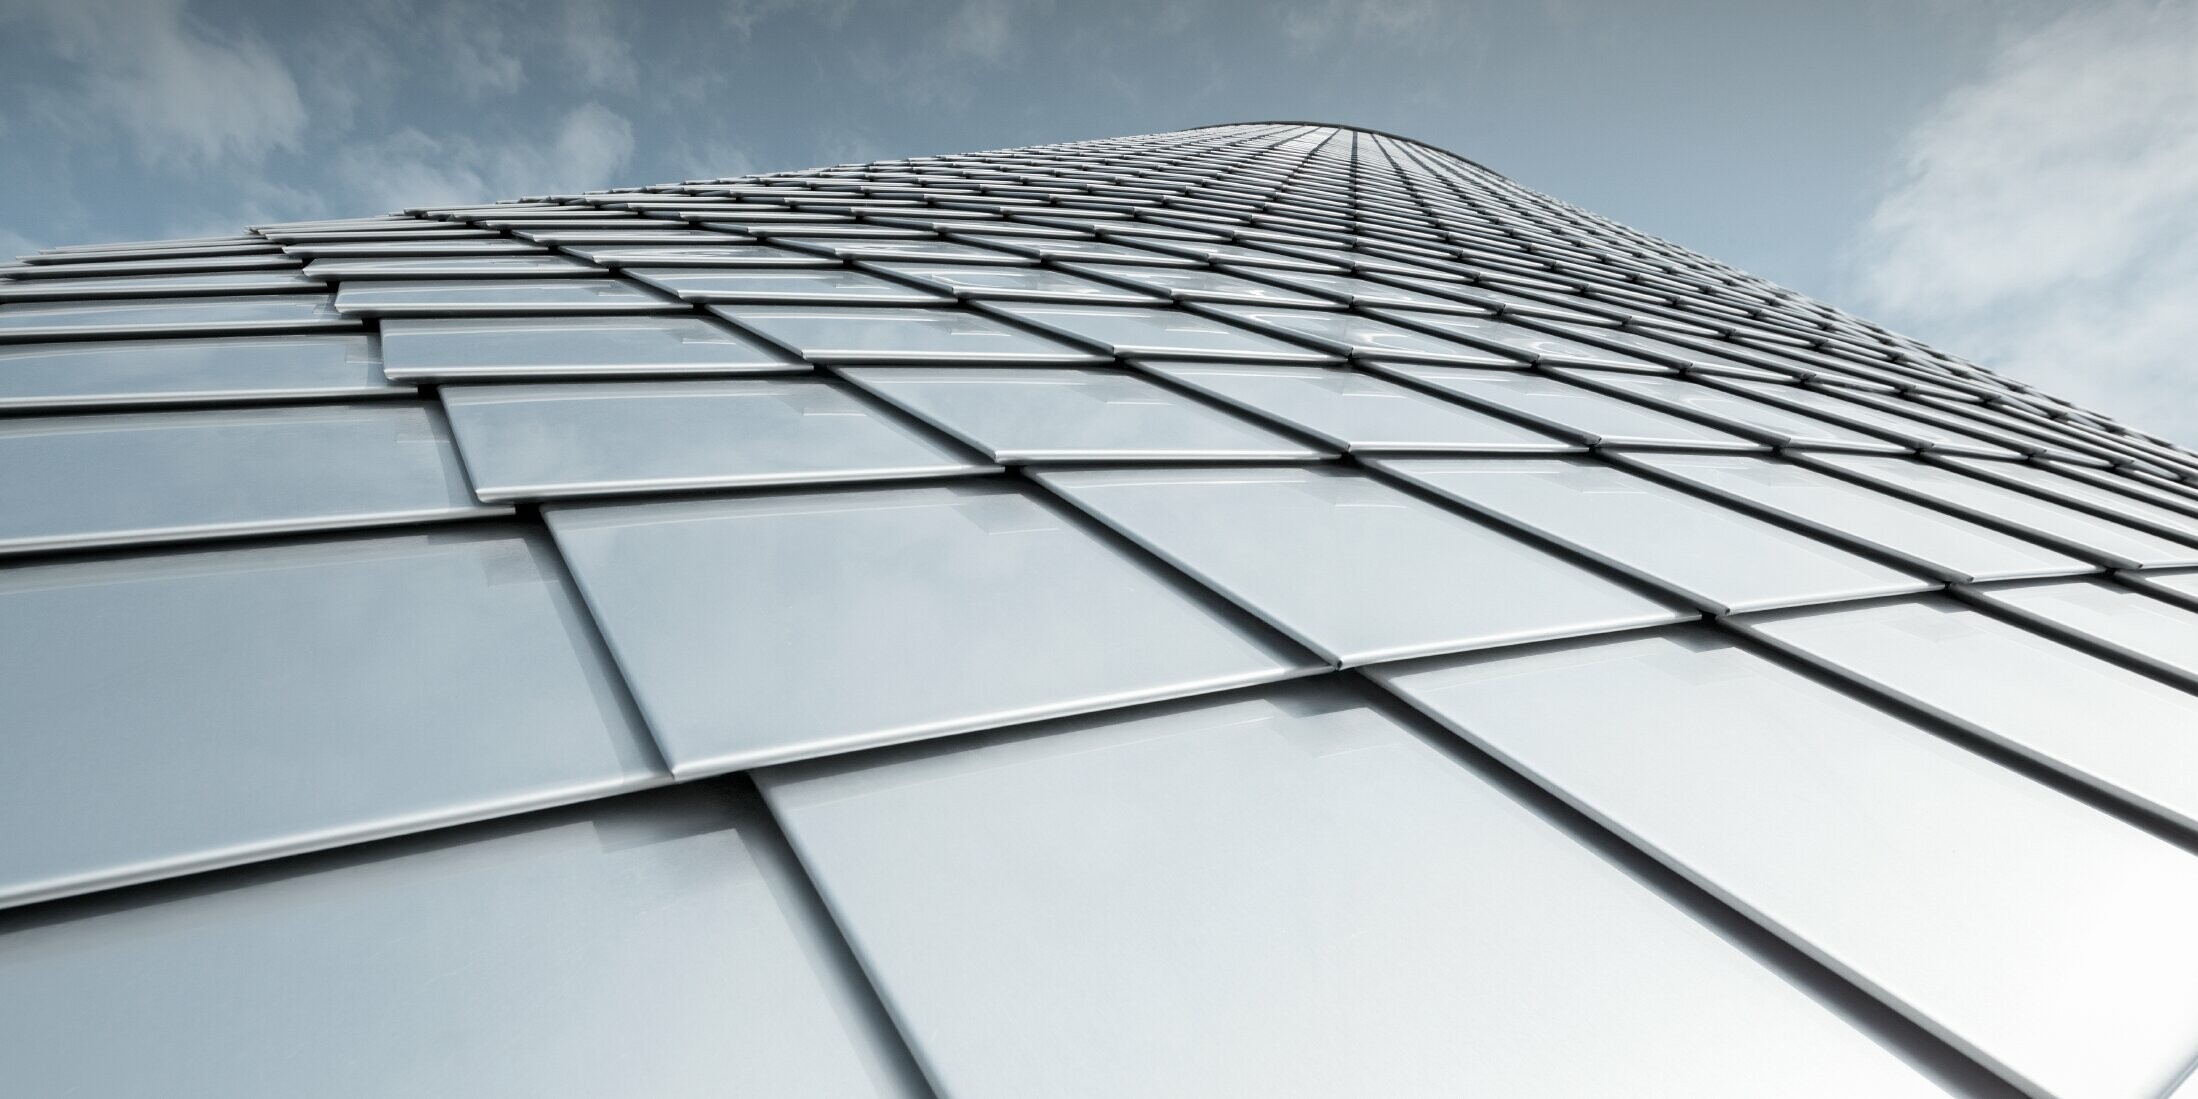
(2013, 180)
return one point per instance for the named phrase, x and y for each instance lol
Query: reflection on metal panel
(775, 627)
(2049, 940)
(656, 945)
(1285, 894)
(245, 702)
(69, 482)
(531, 442)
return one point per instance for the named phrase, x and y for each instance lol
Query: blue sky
(2015, 181)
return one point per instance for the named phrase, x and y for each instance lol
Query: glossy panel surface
(660, 945)
(445, 297)
(1725, 560)
(2122, 618)
(1574, 410)
(1285, 895)
(162, 316)
(1016, 283)
(1780, 426)
(1159, 333)
(1299, 548)
(2049, 940)
(769, 628)
(531, 442)
(2108, 726)
(824, 286)
(74, 481)
(829, 334)
(113, 373)
(2109, 541)
(1050, 414)
(259, 717)
(1358, 411)
(1944, 544)
(461, 348)
(1353, 334)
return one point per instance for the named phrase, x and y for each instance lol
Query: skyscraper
(1261, 610)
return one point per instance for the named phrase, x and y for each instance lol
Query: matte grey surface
(1282, 894)
(836, 334)
(2109, 541)
(1159, 333)
(659, 945)
(1717, 556)
(466, 348)
(1054, 414)
(775, 627)
(1942, 544)
(2107, 726)
(1572, 410)
(2048, 940)
(114, 373)
(70, 482)
(1300, 547)
(1358, 411)
(445, 297)
(534, 442)
(258, 718)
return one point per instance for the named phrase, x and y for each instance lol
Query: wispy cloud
(587, 149)
(185, 94)
(2045, 221)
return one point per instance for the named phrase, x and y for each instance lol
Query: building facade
(1261, 610)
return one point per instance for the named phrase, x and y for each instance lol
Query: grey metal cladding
(258, 717)
(1722, 558)
(1793, 800)
(1802, 710)
(1242, 855)
(766, 628)
(849, 334)
(98, 374)
(2036, 695)
(534, 442)
(71, 482)
(661, 943)
(1358, 411)
(1446, 582)
(1053, 414)
(523, 348)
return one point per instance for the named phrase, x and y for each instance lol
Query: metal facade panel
(1290, 893)
(536, 442)
(766, 628)
(2047, 939)
(259, 718)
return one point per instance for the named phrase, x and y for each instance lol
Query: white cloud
(596, 50)
(411, 168)
(2045, 221)
(184, 94)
